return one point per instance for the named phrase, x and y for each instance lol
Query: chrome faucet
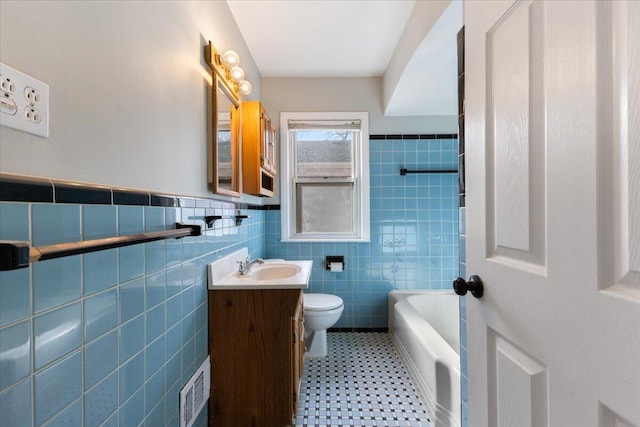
(245, 266)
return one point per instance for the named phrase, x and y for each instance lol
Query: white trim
(361, 171)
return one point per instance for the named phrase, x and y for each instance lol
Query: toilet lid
(321, 302)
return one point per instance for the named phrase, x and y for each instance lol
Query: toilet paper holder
(331, 259)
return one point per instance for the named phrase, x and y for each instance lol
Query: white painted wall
(423, 17)
(128, 86)
(346, 94)
(428, 83)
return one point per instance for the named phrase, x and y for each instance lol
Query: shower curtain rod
(404, 171)
(17, 254)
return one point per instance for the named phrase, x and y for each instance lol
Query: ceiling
(354, 38)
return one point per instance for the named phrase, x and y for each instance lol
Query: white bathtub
(425, 329)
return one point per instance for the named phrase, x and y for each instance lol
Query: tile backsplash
(109, 337)
(414, 231)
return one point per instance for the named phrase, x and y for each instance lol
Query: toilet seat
(321, 302)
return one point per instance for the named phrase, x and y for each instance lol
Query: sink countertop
(233, 280)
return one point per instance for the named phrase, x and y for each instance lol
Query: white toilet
(321, 311)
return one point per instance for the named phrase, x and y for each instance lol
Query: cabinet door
(264, 140)
(301, 348)
(271, 145)
(297, 354)
(267, 145)
(295, 360)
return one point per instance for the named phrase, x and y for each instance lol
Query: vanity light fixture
(230, 62)
(245, 87)
(230, 58)
(237, 74)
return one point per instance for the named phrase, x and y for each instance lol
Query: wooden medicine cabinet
(258, 150)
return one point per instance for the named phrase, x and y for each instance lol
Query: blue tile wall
(101, 401)
(70, 416)
(414, 232)
(56, 386)
(15, 405)
(108, 337)
(57, 333)
(100, 358)
(101, 314)
(15, 347)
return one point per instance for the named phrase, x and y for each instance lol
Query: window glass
(324, 153)
(325, 208)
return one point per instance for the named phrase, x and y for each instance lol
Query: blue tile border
(164, 201)
(67, 193)
(125, 197)
(22, 188)
(25, 189)
(414, 136)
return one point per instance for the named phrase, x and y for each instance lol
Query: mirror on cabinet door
(224, 113)
(225, 147)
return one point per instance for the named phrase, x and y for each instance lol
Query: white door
(553, 212)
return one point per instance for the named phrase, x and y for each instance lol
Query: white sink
(223, 274)
(273, 271)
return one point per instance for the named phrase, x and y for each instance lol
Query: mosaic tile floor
(362, 382)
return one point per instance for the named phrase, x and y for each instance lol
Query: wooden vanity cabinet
(258, 150)
(256, 344)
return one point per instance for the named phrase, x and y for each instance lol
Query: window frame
(360, 179)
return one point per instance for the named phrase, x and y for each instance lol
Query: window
(325, 184)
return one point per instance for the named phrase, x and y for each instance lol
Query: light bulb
(244, 87)
(230, 58)
(237, 74)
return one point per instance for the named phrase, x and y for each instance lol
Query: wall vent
(194, 394)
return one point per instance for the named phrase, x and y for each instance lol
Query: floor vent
(194, 394)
